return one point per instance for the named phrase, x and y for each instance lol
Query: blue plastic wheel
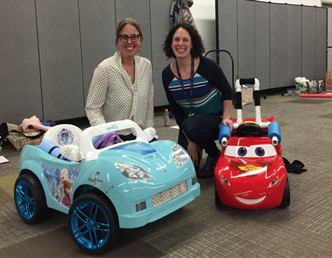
(92, 223)
(25, 200)
(30, 199)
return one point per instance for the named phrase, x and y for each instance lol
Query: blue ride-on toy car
(119, 185)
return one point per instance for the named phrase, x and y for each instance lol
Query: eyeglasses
(133, 38)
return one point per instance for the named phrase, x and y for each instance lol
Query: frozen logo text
(112, 127)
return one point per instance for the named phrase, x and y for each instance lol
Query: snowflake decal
(67, 152)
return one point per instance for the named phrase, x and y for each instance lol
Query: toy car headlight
(274, 181)
(179, 155)
(132, 172)
(223, 179)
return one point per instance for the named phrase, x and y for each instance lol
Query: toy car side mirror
(71, 152)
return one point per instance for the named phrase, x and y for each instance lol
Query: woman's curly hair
(196, 40)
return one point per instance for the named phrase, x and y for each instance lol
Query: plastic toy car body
(124, 185)
(250, 173)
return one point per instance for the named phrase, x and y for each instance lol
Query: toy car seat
(249, 129)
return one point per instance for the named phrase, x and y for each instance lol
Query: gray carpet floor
(199, 229)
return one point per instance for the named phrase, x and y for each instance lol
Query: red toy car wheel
(217, 199)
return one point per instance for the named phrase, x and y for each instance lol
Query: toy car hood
(250, 157)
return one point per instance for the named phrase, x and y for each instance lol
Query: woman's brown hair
(196, 40)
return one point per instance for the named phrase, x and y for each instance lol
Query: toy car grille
(169, 194)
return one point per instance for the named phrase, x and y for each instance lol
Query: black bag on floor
(296, 166)
(3, 134)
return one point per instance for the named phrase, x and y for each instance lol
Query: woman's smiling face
(181, 43)
(129, 48)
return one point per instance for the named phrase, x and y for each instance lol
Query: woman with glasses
(198, 93)
(121, 86)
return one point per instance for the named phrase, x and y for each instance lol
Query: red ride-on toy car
(250, 173)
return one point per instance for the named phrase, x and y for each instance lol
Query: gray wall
(60, 58)
(98, 26)
(20, 86)
(49, 50)
(273, 42)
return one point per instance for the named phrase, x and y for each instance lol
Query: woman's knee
(190, 126)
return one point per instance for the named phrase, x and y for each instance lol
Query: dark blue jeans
(202, 129)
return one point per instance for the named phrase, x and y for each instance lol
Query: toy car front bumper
(152, 212)
(270, 198)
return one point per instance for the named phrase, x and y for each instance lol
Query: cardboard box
(328, 82)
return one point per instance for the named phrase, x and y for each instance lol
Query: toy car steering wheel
(249, 129)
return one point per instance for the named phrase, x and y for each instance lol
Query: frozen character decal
(65, 137)
(66, 200)
(61, 189)
(63, 176)
(60, 182)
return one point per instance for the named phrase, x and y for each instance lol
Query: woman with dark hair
(199, 95)
(121, 86)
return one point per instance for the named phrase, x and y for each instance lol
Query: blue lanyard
(191, 83)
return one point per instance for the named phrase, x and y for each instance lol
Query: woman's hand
(194, 152)
(226, 121)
